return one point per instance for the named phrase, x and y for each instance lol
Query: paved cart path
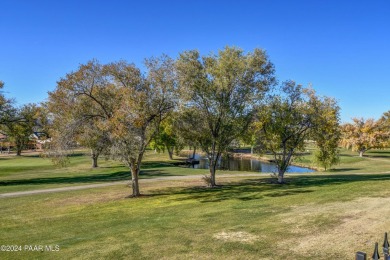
(99, 185)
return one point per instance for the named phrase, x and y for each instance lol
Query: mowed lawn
(31, 172)
(314, 216)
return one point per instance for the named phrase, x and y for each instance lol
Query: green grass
(31, 172)
(374, 161)
(183, 222)
(314, 216)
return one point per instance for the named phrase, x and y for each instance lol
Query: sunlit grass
(323, 215)
(183, 219)
(33, 172)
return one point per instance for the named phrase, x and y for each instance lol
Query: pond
(246, 164)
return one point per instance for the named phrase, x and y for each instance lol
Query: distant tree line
(19, 123)
(365, 134)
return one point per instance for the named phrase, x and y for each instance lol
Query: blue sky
(340, 47)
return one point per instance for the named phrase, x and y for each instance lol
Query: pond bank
(254, 156)
(243, 162)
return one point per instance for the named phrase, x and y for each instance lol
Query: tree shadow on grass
(344, 169)
(349, 155)
(121, 175)
(381, 152)
(288, 193)
(378, 157)
(252, 189)
(374, 156)
(256, 189)
(115, 176)
(325, 180)
(153, 164)
(39, 155)
(161, 172)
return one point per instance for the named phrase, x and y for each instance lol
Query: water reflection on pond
(246, 164)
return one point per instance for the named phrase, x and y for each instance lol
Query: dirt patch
(338, 229)
(242, 237)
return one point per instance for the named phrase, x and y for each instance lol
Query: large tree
(326, 130)
(7, 110)
(364, 134)
(19, 131)
(44, 120)
(92, 136)
(81, 106)
(219, 94)
(385, 119)
(114, 106)
(3, 100)
(168, 137)
(289, 119)
(184, 121)
(145, 100)
(384, 123)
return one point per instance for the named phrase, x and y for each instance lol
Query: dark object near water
(192, 161)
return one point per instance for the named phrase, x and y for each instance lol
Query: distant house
(3, 137)
(4, 143)
(38, 139)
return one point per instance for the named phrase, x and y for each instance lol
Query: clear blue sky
(341, 47)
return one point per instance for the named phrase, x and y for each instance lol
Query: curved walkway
(99, 185)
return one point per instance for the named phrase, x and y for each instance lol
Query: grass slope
(322, 215)
(31, 172)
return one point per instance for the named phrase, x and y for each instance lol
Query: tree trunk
(281, 177)
(213, 169)
(94, 157)
(134, 182)
(361, 153)
(212, 175)
(170, 152)
(194, 152)
(18, 151)
(251, 149)
(94, 161)
(284, 164)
